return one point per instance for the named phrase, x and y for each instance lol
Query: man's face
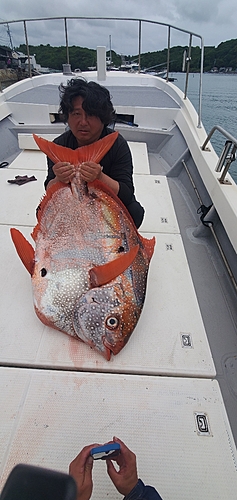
(87, 129)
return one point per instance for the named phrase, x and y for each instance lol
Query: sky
(214, 20)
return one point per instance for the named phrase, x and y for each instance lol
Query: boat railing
(140, 23)
(228, 154)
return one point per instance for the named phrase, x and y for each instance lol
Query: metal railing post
(139, 44)
(225, 156)
(168, 55)
(27, 49)
(188, 66)
(200, 85)
(230, 158)
(66, 38)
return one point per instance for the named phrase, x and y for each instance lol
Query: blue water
(219, 105)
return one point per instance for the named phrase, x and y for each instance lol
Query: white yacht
(171, 393)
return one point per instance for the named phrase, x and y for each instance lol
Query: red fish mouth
(112, 349)
(108, 350)
(107, 353)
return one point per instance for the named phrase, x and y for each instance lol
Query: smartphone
(106, 451)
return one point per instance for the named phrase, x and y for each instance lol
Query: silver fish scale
(63, 288)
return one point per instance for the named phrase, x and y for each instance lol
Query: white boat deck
(169, 339)
(50, 416)
(58, 394)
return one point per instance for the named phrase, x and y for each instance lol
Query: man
(88, 110)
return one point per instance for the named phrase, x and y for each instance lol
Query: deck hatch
(186, 340)
(202, 423)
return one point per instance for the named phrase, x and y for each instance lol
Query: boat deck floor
(177, 427)
(157, 394)
(171, 319)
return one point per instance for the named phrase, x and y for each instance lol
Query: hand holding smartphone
(106, 451)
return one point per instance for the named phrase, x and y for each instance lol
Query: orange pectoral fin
(24, 249)
(93, 152)
(100, 275)
(149, 245)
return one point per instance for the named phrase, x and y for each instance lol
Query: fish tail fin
(24, 249)
(55, 152)
(96, 151)
(92, 152)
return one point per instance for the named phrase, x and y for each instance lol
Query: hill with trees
(224, 56)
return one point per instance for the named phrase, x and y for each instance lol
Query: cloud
(199, 11)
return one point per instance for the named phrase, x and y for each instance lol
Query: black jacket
(117, 164)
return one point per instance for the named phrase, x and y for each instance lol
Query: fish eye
(120, 249)
(112, 322)
(43, 272)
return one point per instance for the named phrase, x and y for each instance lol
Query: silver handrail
(228, 155)
(168, 55)
(27, 48)
(139, 21)
(188, 60)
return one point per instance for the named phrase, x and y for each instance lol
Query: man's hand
(89, 171)
(64, 171)
(126, 478)
(81, 470)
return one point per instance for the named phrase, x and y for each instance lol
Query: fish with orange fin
(89, 267)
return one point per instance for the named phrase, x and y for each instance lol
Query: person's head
(96, 99)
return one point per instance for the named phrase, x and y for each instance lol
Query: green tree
(225, 55)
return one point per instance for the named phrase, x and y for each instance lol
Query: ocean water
(219, 105)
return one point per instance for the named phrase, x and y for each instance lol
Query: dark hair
(96, 99)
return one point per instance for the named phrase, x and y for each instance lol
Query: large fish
(89, 267)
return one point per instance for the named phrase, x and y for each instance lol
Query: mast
(10, 37)
(110, 52)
